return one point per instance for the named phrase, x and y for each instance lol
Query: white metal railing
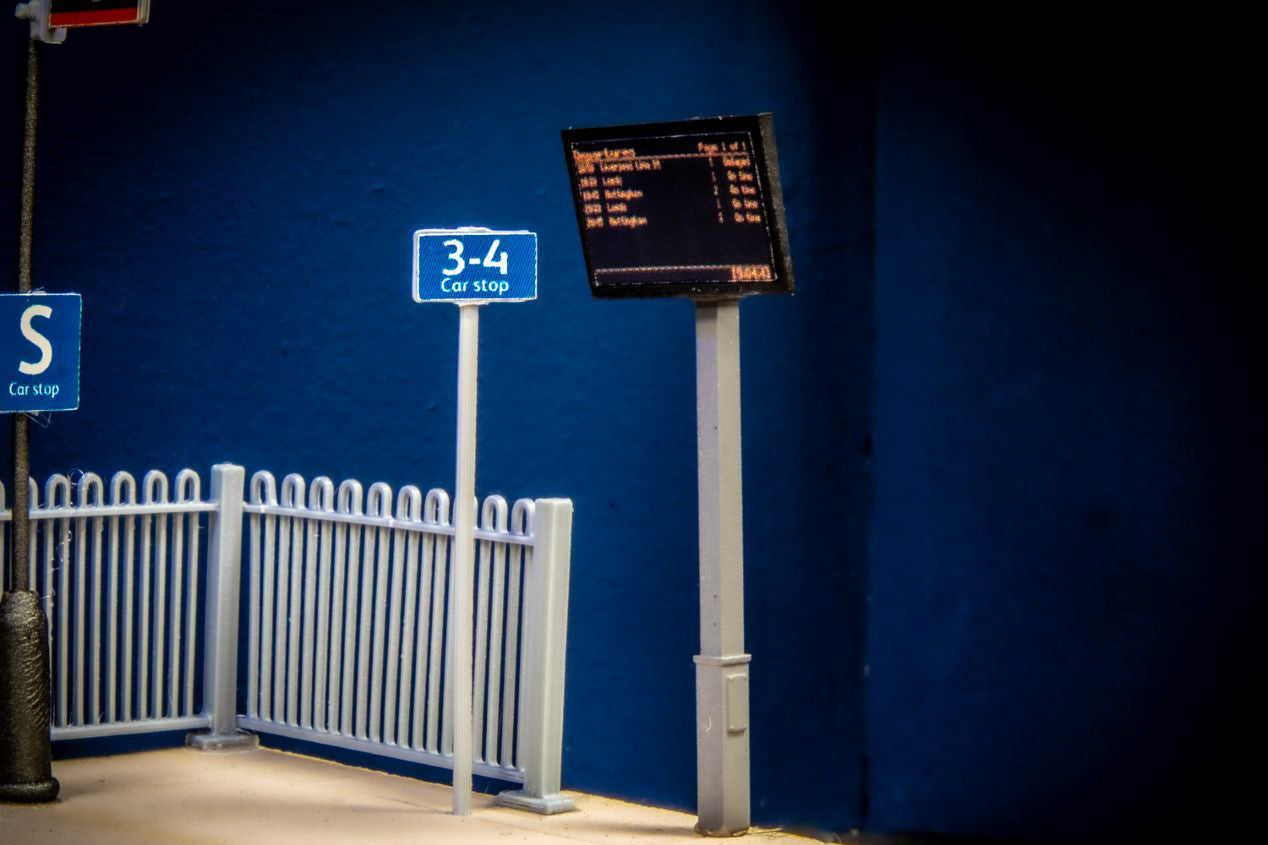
(120, 583)
(346, 602)
(347, 624)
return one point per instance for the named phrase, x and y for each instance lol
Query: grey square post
(224, 578)
(722, 742)
(541, 717)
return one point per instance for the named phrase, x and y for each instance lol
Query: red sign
(66, 13)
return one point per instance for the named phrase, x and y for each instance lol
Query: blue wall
(1014, 286)
(233, 193)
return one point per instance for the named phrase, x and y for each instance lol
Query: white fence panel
(346, 605)
(347, 620)
(120, 582)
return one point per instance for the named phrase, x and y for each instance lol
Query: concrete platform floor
(265, 797)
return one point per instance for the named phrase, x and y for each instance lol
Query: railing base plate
(207, 741)
(548, 805)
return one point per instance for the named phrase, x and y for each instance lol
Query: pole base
(721, 834)
(547, 805)
(39, 792)
(237, 741)
(26, 770)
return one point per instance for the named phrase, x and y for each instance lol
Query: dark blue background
(1004, 465)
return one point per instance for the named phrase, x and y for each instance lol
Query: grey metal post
(541, 718)
(722, 741)
(224, 579)
(461, 601)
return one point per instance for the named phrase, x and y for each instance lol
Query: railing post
(545, 640)
(224, 578)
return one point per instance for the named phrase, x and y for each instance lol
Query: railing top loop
(321, 496)
(57, 483)
(436, 508)
(263, 488)
(409, 503)
(379, 501)
(350, 495)
(293, 491)
(522, 517)
(89, 484)
(122, 485)
(493, 517)
(155, 484)
(33, 492)
(188, 486)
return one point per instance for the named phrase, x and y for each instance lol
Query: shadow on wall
(1066, 573)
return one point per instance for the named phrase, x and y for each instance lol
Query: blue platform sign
(474, 265)
(39, 351)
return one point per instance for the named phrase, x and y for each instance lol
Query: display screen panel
(688, 208)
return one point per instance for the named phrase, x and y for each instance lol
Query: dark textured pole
(26, 768)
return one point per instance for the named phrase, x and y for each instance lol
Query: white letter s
(40, 341)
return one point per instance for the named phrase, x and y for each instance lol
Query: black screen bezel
(762, 129)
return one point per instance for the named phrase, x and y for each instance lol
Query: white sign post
(460, 599)
(469, 267)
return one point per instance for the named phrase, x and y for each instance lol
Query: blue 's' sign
(474, 265)
(39, 351)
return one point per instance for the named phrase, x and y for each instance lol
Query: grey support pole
(722, 742)
(224, 578)
(26, 769)
(461, 602)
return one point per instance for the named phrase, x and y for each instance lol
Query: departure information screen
(689, 208)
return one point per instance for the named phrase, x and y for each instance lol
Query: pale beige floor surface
(264, 797)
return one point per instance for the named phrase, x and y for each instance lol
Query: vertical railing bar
(264, 491)
(493, 518)
(159, 677)
(254, 605)
(519, 561)
(294, 627)
(392, 658)
(480, 657)
(280, 669)
(320, 708)
(80, 655)
(177, 606)
(271, 606)
(435, 661)
(62, 603)
(380, 622)
(145, 565)
(339, 557)
(42, 530)
(364, 621)
(98, 574)
(129, 609)
(119, 483)
(446, 712)
(409, 635)
(112, 625)
(88, 597)
(191, 625)
(496, 633)
(269, 609)
(421, 671)
(308, 637)
(348, 681)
